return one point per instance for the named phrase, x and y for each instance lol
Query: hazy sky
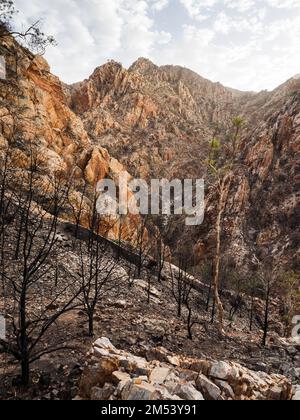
(246, 44)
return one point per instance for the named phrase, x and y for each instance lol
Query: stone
(188, 375)
(292, 351)
(97, 375)
(105, 343)
(188, 392)
(275, 393)
(201, 366)
(144, 285)
(165, 395)
(156, 328)
(144, 378)
(158, 353)
(119, 376)
(120, 387)
(136, 365)
(159, 375)
(173, 360)
(226, 389)
(223, 371)
(120, 304)
(98, 352)
(296, 396)
(209, 390)
(171, 382)
(102, 394)
(139, 392)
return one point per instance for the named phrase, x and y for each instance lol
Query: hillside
(158, 122)
(57, 142)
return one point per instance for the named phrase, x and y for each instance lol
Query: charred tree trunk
(91, 324)
(267, 311)
(224, 186)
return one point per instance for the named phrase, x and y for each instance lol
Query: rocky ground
(112, 374)
(134, 325)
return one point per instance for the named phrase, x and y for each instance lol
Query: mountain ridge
(159, 121)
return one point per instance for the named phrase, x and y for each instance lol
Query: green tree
(290, 281)
(221, 167)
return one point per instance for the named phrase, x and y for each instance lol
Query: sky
(244, 44)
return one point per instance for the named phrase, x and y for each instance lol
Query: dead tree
(164, 225)
(180, 284)
(290, 291)
(252, 286)
(29, 308)
(189, 305)
(32, 37)
(98, 271)
(267, 278)
(141, 245)
(77, 209)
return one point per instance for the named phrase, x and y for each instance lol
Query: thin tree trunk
(179, 307)
(91, 325)
(266, 324)
(251, 312)
(216, 279)
(189, 324)
(23, 339)
(213, 311)
(208, 295)
(25, 375)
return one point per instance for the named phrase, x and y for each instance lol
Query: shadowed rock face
(35, 119)
(158, 120)
(152, 118)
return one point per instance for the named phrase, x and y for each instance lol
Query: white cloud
(247, 52)
(247, 44)
(159, 5)
(284, 4)
(196, 8)
(89, 32)
(240, 5)
(202, 37)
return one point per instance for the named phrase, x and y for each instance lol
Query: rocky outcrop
(36, 122)
(158, 120)
(112, 374)
(150, 116)
(262, 215)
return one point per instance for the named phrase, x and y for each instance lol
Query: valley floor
(132, 324)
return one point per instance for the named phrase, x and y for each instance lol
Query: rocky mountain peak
(158, 122)
(143, 65)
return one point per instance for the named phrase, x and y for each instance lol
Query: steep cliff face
(273, 158)
(263, 211)
(158, 121)
(35, 120)
(152, 118)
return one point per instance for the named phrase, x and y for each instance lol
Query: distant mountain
(158, 121)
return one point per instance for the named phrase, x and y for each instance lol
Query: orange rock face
(37, 112)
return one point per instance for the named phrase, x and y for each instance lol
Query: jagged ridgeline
(58, 141)
(159, 122)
